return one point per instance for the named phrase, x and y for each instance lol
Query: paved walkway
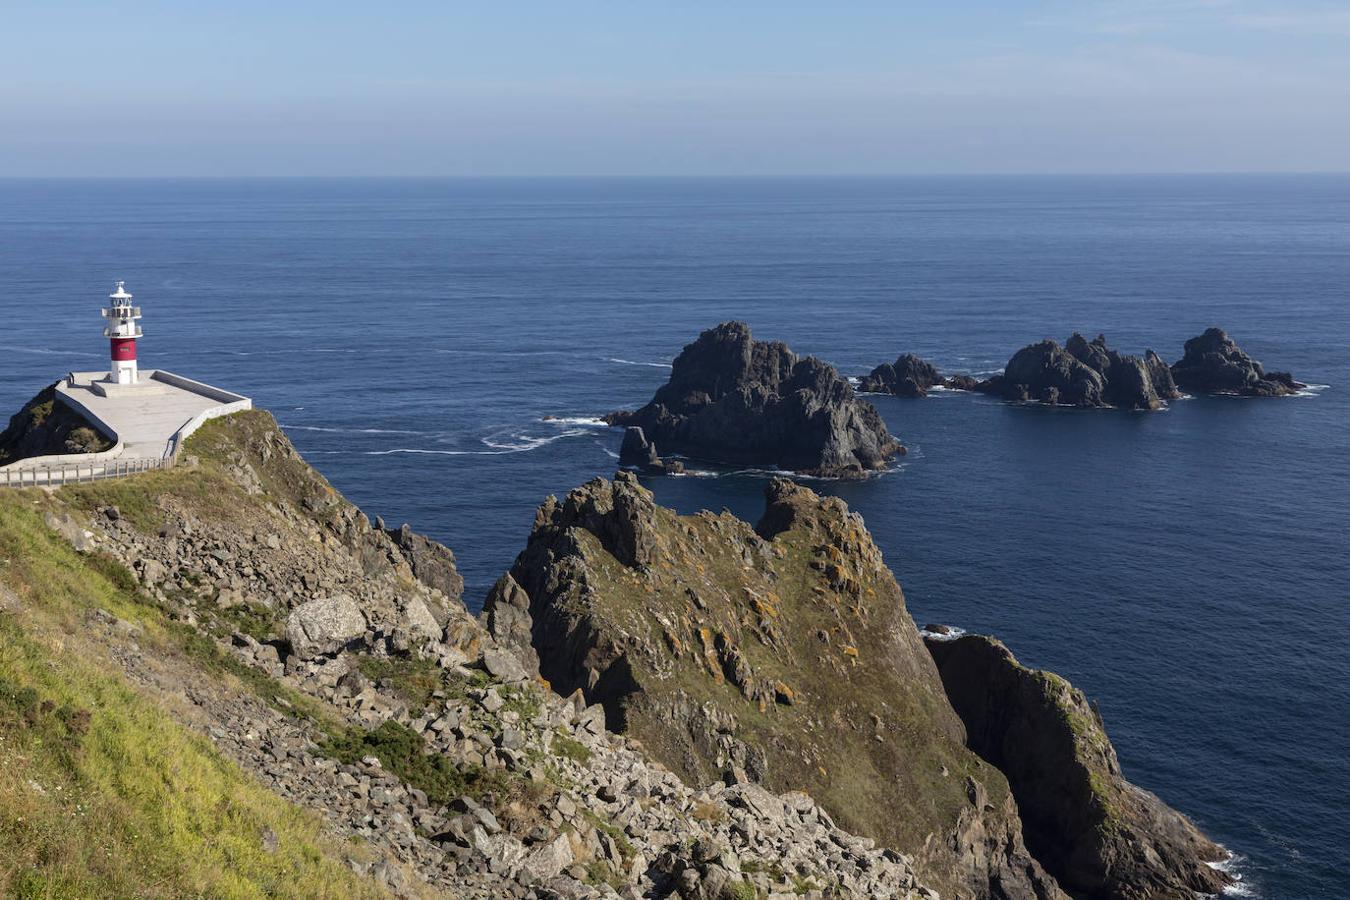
(145, 416)
(149, 418)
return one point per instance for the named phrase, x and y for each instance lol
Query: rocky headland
(737, 401)
(46, 426)
(1215, 364)
(783, 655)
(1096, 833)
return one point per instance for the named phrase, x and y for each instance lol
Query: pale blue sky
(583, 87)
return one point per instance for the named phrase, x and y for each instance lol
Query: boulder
(1214, 364)
(737, 401)
(324, 627)
(1099, 835)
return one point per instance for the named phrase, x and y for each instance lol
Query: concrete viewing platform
(147, 422)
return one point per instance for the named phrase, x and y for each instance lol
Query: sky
(585, 87)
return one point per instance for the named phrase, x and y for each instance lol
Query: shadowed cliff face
(1099, 835)
(782, 654)
(732, 399)
(46, 426)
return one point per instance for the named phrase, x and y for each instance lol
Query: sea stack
(1215, 364)
(737, 401)
(1084, 373)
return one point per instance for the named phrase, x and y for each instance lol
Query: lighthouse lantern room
(122, 332)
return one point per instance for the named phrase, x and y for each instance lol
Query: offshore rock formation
(1215, 364)
(1099, 835)
(910, 376)
(46, 426)
(1084, 373)
(781, 655)
(734, 400)
(419, 734)
(639, 453)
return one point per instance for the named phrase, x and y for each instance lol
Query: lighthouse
(121, 333)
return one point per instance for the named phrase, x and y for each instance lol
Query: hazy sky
(579, 87)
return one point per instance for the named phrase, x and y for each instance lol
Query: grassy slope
(101, 793)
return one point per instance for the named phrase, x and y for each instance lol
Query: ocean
(441, 350)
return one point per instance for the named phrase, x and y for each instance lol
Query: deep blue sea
(1187, 568)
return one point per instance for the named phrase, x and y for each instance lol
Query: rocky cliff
(243, 600)
(1099, 835)
(1084, 373)
(734, 400)
(1214, 364)
(46, 426)
(781, 655)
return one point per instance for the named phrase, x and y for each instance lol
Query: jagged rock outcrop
(734, 400)
(1099, 835)
(432, 562)
(1084, 373)
(45, 426)
(1215, 364)
(780, 655)
(908, 376)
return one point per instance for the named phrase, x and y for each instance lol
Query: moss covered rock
(45, 427)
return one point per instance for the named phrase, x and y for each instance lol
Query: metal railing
(77, 473)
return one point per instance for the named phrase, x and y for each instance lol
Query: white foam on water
(523, 444)
(1229, 866)
(588, 421)
(1310, 390)
(939, 636)
(629, 362)
(349, 430)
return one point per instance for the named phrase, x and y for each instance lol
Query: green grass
(102, 794)
(564, 744)
(414, 679)
(403, 752)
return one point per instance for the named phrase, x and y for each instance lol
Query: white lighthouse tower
(122, 332)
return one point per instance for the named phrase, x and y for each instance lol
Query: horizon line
(690, 176)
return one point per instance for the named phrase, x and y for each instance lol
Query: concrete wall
(198, 387)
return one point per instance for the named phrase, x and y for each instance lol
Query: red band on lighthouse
(123, 349)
